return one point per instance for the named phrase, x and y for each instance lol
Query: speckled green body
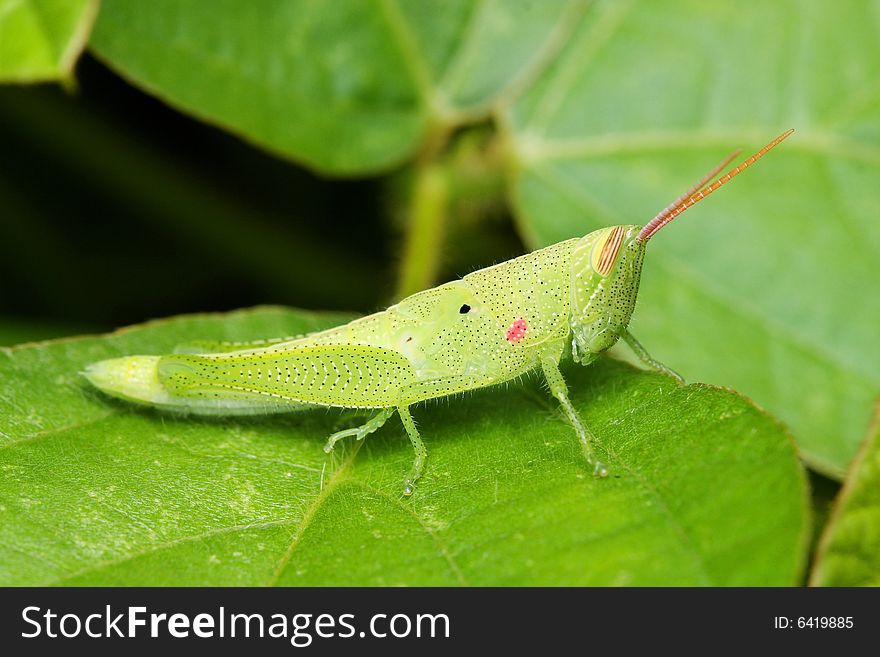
(424, 347)
(489, 327)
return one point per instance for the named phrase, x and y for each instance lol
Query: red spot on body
(517, 331)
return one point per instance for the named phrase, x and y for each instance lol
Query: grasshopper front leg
(559, 390)
(643, 355)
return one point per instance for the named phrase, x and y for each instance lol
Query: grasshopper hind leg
(360, 432)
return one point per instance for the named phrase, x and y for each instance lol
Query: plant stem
(424, 229)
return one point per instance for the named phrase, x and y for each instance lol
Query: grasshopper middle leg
(559, 390)
(418, 448)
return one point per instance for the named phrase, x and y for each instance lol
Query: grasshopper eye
(465, 309)
(606, 250)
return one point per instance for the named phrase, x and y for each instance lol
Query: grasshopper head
(606, 267)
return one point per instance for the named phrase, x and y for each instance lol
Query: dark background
(117, 209)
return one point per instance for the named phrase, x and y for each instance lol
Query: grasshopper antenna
(698, 192)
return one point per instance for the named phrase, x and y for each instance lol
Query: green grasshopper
(489, 327)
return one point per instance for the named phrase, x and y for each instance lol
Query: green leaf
(704, 489)
(351, 89)
(849, 552)
(41, 39)
(765, 286)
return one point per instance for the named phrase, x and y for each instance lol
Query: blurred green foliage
(41, 39)
(565, 115)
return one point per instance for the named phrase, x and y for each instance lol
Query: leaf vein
(324, 492)
(168, 545)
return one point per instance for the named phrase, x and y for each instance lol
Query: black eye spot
(464, 309)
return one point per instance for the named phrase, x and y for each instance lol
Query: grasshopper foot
(409, 484)
(339, 435)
